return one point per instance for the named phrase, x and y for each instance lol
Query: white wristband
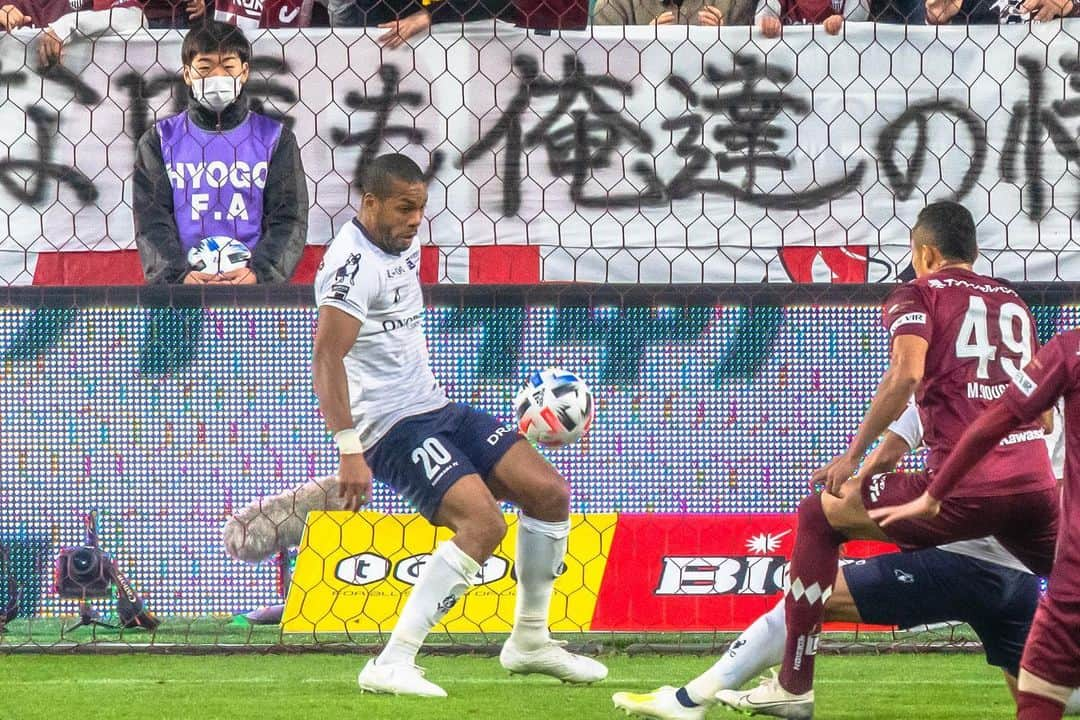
(348, 442)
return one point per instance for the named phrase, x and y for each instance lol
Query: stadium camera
(87, 572)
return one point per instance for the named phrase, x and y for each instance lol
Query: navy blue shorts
(422, 456)
(928, 586)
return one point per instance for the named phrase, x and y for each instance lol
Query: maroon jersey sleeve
(1037, 387)
(907, 312)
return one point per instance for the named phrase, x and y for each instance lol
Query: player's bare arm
(335, 336)
(885, 457)
(906, 365)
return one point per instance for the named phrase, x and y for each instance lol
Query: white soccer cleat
(769, 698)
(397, 679)
(554, 660)
(661, 704)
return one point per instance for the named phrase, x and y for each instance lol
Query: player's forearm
(885, 456)
(979, 439)
(889, 402)
(332, 389)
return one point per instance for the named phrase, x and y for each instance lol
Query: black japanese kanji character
(382, 105)
(33, 192)
(12, 79)
(577, 148)
(919, 114)
(140, 89)
(749, 138)
(57, 73)
(261, 86)
(1039, 119)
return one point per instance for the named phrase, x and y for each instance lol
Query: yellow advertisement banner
(354, 572)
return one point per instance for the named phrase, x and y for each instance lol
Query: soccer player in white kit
(391, 418)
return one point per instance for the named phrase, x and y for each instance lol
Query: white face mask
(216, 92)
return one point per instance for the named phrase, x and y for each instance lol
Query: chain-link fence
(636, 153)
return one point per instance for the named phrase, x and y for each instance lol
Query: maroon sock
(1037, 707)
(812, 573)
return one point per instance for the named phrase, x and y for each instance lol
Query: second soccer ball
(218, 254)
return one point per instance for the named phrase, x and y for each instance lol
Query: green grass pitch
(323, 687)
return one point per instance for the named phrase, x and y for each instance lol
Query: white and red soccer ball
(554, 408)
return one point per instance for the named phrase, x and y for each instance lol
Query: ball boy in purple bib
(218, 170)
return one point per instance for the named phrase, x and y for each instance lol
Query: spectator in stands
(174, 13)
(992, 12)
(772, 15)
(255, 14)
(219, 170)
(674, 12)
(403, 19)
(61, 20)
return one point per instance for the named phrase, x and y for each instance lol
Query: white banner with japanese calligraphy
(640, 154)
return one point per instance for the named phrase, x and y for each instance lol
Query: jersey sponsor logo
(904, 577)
(912, 318)
(940, 284)
(398, 323)
(721, 575)
(978, 391)
(1022, 437)
(1024, 383)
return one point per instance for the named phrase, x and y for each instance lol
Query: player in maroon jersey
(956, 339)
(1051, 661)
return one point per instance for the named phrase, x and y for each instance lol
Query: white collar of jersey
(367, 236)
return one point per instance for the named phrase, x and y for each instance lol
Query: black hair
(378, 176)
(213, 36)
(952, 230)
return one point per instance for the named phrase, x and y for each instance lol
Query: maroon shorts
(1026, 524)
(1052, 652)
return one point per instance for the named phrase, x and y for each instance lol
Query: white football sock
(1072, 705)
(541, 547)
(758, 648)
(445, 577)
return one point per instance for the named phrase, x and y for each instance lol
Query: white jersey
(388, 370)
(909, 427)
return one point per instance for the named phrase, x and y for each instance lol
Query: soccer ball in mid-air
(218, 254)
(555, 407)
